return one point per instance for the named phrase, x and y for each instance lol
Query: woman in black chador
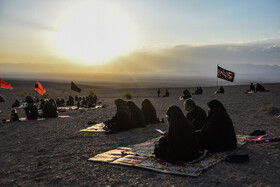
(218, 133)
(122, 120)
(149, 112)
(137, 116)
(180, 143)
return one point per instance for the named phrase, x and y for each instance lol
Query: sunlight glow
(93, 33)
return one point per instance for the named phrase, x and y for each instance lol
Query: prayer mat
(141, 155)
(99, 128)
(263, 138)
(80, 108)
(39, 119)
(95, 128)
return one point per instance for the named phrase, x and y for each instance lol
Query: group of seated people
(259, 87)
(198, 91)
(188, 135)
(129, 116)
(85, 102)
(47, 109)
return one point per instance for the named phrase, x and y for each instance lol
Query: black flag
(225, 74)
(75, 87)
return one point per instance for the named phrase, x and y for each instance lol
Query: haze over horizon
(153, 41)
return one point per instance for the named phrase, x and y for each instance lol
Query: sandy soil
(54, 153)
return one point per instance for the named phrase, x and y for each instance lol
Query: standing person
(158, 92)
(218, 133)
(195, 114)
(180, 143)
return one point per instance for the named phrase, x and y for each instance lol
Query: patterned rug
(95, 128)
(99, 128)
(263, 138)
(140, 155)
(81, 108)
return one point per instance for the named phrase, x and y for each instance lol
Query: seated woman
(187, 94)
(16, 103)
(260, 87)
(137, 116)
(149, 112)
(70, 101)
(220, 90)
(31, 110)
(198, 91)
(218, 133)
(122, 120)
(180, 143)
(14, 115)
(49, 110)
(252, 87)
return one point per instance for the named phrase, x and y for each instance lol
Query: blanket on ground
(141, 155)
(81, 108)
(99, 127)
(263, 138)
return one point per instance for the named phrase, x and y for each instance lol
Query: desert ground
(54, 153)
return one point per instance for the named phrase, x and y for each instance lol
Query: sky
(144, 38)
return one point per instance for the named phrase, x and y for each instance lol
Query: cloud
(178, 61)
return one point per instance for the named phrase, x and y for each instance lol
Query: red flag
(39, 88)
(6, 85)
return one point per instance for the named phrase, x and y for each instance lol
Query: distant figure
(70, 101)
(180, 143)
(259, 87)
(2, 99)
(198, 91)
(62, 102)
(166, 93)
(42, 104)
(218, 133)
(28, 99)
(149, 112)
(16, 103)
(196, 115)
(76, 98)
(122, 119)
(84, 102)
(58, 103)
(49, 110)
(78, 104)
(158, 92)
(31, 110)
(220, 90)
(94, 99)
(252, 87)
(137, 116)
(14, 115)
(186, 95)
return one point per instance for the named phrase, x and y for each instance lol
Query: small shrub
(91, 93)
(21, 94)
(270, 109)
(45, 96)
(127, 96)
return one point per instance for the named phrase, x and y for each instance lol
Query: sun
(93, 33)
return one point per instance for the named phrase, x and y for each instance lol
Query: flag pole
(217, 74)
